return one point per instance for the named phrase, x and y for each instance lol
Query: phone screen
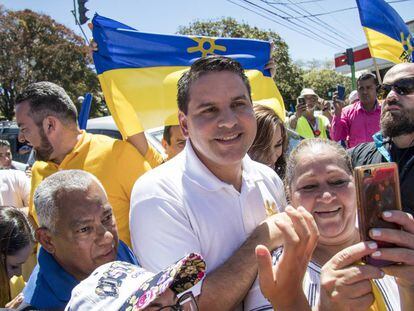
(340, 92)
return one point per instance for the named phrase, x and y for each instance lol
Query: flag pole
(377, 70)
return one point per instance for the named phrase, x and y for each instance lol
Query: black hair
(204, 65)
(48, 99)
(15, 234)
(367, 76)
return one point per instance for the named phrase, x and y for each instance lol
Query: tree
(288, 76)
(35, 48)
(324, 81)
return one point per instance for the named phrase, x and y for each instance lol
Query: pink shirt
(356, 125)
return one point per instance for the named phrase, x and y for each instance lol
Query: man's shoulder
(116, 148)
(38, 292)
(265, 173)
(13, 175)
(168, 174)
(365, 153)
(49, 285)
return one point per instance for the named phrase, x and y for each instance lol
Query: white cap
(353, 96)
(308, 91)
(120, 285)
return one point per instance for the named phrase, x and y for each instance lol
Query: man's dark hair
(367, 76)
(48, 99)
(167, 134)
(204, 65)
(4, 143)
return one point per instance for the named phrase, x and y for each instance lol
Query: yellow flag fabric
(139, 71)
(387, 35)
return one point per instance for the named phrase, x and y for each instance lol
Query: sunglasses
(401, 87)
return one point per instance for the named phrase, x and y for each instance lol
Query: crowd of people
(229, 220)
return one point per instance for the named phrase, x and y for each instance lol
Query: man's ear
(50, 124)
(182, 118)
(44, 237)
(164, 144)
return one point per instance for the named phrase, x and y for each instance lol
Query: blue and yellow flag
(139, 71)
(387, 35)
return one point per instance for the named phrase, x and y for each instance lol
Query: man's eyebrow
(243, 96)
(80, 222)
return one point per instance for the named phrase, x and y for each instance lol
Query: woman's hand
(16, 302)
(282, 283)
(345, 286)
(403, 254)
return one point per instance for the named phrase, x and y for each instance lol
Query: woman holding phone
(319, 178)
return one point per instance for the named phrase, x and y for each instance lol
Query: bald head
(399, 71)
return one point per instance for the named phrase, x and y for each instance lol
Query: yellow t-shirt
(116, 163)
(153, 157)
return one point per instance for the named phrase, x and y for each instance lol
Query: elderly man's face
(86, 236)
(397, 116)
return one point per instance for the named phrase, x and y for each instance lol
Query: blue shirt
(50, 286)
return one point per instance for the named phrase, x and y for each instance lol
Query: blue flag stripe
(121, 46)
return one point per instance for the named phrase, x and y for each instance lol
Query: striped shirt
(255, 301)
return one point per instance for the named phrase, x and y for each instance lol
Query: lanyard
(379, 144)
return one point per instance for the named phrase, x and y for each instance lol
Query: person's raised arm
(282, 283)
(300, 111)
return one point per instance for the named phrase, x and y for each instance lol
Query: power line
(293, 23)
(340, 22)
(325, 29)
(337, 11)
(324, 24)
(284, 25)
(287, 3)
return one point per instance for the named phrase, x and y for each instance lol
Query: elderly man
(305, 122)
(47, 119)
(395, 142)
(77, 232)
(357, 122)
(211, 198)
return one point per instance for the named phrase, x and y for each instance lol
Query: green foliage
(35, 48)
(288, 76)
(323, 81)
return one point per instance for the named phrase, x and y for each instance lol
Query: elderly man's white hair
(46, 195)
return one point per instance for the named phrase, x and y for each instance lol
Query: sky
(320, 38)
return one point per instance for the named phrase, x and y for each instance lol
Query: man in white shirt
(211, 198)
(14, 188)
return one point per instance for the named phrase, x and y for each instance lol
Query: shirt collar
(60, 281)
(358, 106)
(201, 175)
(82, 143)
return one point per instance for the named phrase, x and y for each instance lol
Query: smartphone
(340, 89)
(301, 100)
(378, 190)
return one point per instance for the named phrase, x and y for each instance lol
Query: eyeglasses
(401, 87)
(186, 302)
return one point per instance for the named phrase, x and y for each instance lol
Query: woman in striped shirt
(319, 178)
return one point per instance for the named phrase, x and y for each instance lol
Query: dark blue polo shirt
(50, 286)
